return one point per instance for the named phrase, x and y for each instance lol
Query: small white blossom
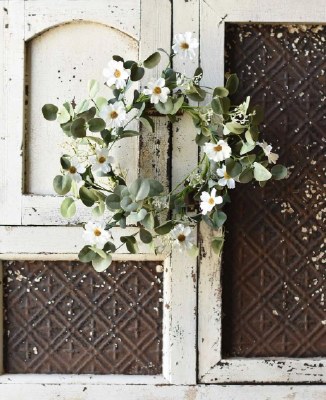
(157, 91)
(76, 169)
(267, 149)
(208, 201)
(95, 235)
(116, 74)
(226, 179)
(181, 236)
(101, 162)
(185, 45)
(217, 151)
(114, 114)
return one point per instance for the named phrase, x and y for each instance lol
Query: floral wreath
(227, 134)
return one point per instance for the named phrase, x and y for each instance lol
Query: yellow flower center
(218, 148)
(72, 170)
(184, 46)
(117, 73)
(113, 114)
(97, 232)
(226, 175)
(181, 237)
(101, 159)
(211, 201)
(157, 90)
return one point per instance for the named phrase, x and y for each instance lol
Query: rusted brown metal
(63, 317)
(273, 273)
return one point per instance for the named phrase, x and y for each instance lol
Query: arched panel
(59, 63)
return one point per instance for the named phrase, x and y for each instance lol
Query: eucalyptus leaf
(164, 228)
(246, 176)
(233, 168)
(113, 202)
(279, 172)
(139, 189)
(148, 123)
(65, 162)
(217, 245)
(87, 196)
(101, 264)
(93, 88)
(145, 236)
(261, 173)
(96, 124)
(246, 148)
(232, 83)
(165, 108)
(148, 221)
(98, 211)
(49, 112)
(78, 128)
(234, 127)
(156, 188)
(152, 60)
(62, 184)
(68, 208)
(177, 104)
(220, 92)
(128, 204)
(129, 133)
(63, 115)
(117, 58)
(86, 254)
(136, 73)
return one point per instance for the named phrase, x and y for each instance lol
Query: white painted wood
(11, 117)
(161, 392)
(212, 367)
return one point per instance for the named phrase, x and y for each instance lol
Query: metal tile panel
(274, 260)
(63, 317)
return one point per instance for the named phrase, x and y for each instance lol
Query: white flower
(75, 170)
(114, 114)
(102, 161)
(116, 74)
(226, 179)
(208, 201)
(95, 235)
(185, 45)
(157, 91)
(181, 236)
(267, 149)
(217, 151)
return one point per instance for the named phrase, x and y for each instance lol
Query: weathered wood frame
(212, 366)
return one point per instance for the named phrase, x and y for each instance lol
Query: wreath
(228, 135)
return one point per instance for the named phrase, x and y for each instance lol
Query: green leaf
(101, 264)
(63, 115)
(232, 83)
(96, 124)
(164, 108)
(128, 64)
(233, 168)
(62, 184)
(148, 221)
(199, 73)
(98, 211)
(49, 112)
(100, 102)
(78, 128)
(117, 58)
(152, 60)
(129, 133)
(246, 148)
(217, 245)
(258, 116)
(156, 188)
(145, 236)
(218, 218)
(65, 162)
(93, 88)
(164, 228)
(98, 251)
(131, 243)
(139, 189)
(106, 136)
(249, 138)
(246, 175)
(177, 104)
(196, 93)
(86, 254)
(148, 123)
(68, 207)
(82, 106)
(109, 247)
(279, 172)
(234, 127)
(136, 73)
(220, 92)
(87, 196)
(128, 204)
(87, 115)
(254, 132)
(113, 202)
(261, 173)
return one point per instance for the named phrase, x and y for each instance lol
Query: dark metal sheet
(274, 260)
(63, 317)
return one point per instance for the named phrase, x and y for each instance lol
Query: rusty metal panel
(274, 260)
(63, 317)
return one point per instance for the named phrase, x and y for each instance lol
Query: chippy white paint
(212, 367)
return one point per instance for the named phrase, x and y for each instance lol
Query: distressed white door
(219, 17)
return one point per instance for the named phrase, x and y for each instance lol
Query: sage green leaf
(148, 221)
(113, 202)
(128, 204)
(86, 254)
(164, 228)
(49, 112)
(93, 88)
(218, 218)
(131, 243)
(139, 189)
(198, 73)
(145, 236)
(129, 133)
(258, 116)
(232, 83)
(101, 264)
(156, 188)
(254, 132)
(249, 138)
(118, 58)
(246, 148)
(109, 247)
(148, 123)
(246, 176)
(152, 60)
(82, 106)
(66, 128)
(217, 245)
(177, 104)
(68, 208)
(234, 127)
(279, 172)
(78, 128)
(65, 162)
(96, 124)
(196, 93)
(220, 92)
(136, 73)
(261, 173)
(63, 115)
(96, 140)
(233, 168)
(128, 64)
(98, 211)
(98, 251)
(87, 115)
(62, 184)
(87, 196)
(100, 102)
(248, 159)
(164, 108)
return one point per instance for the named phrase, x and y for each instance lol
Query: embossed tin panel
(274, 260)
(63, 317)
